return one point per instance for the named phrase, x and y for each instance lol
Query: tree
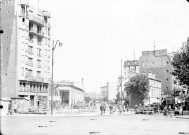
(137, 88)
(87, 99)
(180, 64)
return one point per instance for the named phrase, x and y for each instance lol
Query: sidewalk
(73, 113)
(184, 116)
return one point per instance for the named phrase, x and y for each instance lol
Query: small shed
(20, 103)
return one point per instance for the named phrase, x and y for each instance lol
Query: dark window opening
(23, 20)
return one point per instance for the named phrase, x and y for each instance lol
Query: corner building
(159, 63)
(26, 53)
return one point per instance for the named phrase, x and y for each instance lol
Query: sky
(97, 34)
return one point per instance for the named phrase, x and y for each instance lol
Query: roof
(71, 86)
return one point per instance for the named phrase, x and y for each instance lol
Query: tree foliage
(87, 99)
(180, 64)
(138, 87)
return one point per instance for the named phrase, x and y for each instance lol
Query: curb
(183, 117)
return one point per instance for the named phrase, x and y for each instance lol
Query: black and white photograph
(94, 67)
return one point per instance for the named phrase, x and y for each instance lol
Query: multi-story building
(108, 92)
(26, 52)
(104, 93)
(154, 95)
(158, 62)
(131, 68)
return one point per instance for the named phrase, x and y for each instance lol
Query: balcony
(24, 2)
(36, 20)
(37, 33)
(34, 78)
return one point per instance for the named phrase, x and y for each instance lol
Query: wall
(158, 64)
(9, 53)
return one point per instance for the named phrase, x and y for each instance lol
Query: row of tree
(138, 86)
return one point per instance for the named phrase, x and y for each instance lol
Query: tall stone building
(26, 53)
(159, 63)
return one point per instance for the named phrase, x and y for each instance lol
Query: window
(38, 52)
(31, 38)
(30, 72)
(30, 61)
(30, 26)
(30, 50)
(39, 40)
(22, 10)
(167, 79)
(38, 63)
(38, 73)
(39, 29)
(22, 71)
(48, 31)
(48, 42)
(23, 20)
(167, 62)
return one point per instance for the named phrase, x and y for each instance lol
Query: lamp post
(52, 83)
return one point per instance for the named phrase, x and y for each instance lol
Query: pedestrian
(120, 108)
(9, 108)
(111, 108)
(176, 111)
(101, 109)
(104, 108)
(127, 107)
(167, 112)
(15, 107)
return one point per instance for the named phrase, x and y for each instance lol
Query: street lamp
(52, 83)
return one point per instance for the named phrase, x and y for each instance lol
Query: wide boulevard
(116, 124)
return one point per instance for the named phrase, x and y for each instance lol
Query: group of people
(113, 107)
(178, 110)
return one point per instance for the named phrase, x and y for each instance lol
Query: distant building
(108, 92)
(67, 93)
(104, 93)
(131, 68)
(92, 95)
(26, 53)
(158, 62)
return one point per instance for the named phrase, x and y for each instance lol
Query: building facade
(26, 52)
(109, 92)
(158, 62)
(66, 93)
(154, 95)
(130, 68)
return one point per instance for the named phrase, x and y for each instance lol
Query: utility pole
(121, 80)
